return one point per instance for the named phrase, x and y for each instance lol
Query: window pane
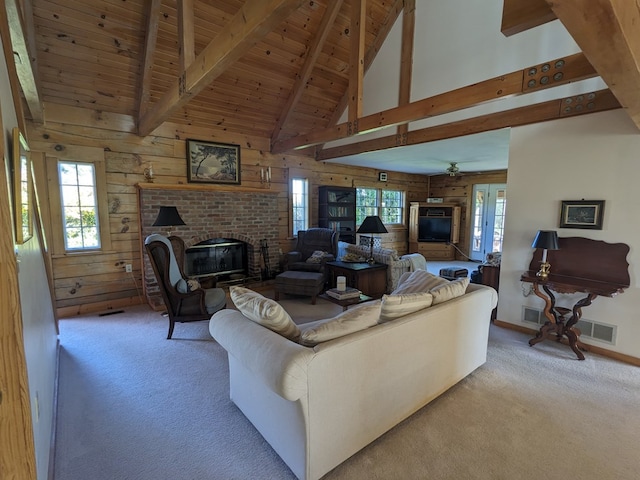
(68, 174)
(85, 174)
(366, 203)
(70, 196)
(72, 217)
(73, 238)
(300, 204)
(90, 237)
(79, 205)
(87, 196)
(392, 203)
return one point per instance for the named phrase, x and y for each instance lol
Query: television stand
(442, 221)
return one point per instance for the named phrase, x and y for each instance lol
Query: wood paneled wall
(459, 190)
(98, 281)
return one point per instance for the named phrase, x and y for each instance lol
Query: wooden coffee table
(347, 302)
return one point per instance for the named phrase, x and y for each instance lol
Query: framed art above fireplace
(213, 162)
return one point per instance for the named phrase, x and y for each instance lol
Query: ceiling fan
(453, 169)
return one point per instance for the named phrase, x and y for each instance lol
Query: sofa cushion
(394, 306)
(264, 311)
(418, 281)
(449, 290)
(357, 318)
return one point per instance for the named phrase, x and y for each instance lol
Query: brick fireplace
(249, 216)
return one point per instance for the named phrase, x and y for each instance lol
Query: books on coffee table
(343, 294)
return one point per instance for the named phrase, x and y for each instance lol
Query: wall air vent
(588, 328)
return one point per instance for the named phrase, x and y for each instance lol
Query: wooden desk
(370, 279)
(581, 265)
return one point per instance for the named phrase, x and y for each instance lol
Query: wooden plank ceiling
(279, 69)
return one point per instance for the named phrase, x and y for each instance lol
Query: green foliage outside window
(79, 205)
(387, 204)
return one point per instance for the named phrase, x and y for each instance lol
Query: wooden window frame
(94, 156)
(308, 206)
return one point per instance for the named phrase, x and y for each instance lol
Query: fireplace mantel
(206, 187)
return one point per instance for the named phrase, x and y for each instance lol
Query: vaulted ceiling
(289, 69)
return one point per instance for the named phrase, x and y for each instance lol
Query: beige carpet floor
(133, 405)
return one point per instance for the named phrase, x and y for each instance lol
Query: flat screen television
(434, 229)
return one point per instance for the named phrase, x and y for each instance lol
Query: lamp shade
(168, 217)
(547, 239)
(372, 224)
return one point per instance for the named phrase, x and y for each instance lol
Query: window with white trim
(387, 204)
(78, 197)
(299, 204)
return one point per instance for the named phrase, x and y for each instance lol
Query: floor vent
(589, 328)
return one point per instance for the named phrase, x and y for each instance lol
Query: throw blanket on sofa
(418, 262)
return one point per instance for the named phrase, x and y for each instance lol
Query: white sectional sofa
(319, 405)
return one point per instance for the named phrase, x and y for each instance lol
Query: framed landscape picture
(586, 214)
(212, 162)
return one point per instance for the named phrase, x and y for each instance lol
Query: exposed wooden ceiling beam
(146, 67)
(569, 69)
(540, 112)
(521, 15)
(356, 60)
(609, 36)
(23, 61)
(313, 53)
(370, 56)
(406, 59)
(186, 33)
(254, 20)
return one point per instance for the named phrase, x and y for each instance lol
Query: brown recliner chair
(309, 241)
(183, 305)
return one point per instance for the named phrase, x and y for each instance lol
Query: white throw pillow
(357, 318)
(264, 311)
(418, 281)
(450, 290)
(394, 306)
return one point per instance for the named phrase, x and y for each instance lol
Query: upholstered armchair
(185, 302)
(310, 241)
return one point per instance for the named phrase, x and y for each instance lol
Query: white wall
(40, 339)
(594, 157)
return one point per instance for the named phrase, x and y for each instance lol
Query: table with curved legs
(580, 265)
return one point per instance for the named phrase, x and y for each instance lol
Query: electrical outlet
(128, 268)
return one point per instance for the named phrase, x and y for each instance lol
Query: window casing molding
(373, 205)
(94, 156)
(299, 205)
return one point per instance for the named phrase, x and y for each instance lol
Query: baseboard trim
(592, 348)
(54, 417)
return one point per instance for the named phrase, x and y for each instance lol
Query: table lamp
(372, 224)
(547, 240)
(168, 217)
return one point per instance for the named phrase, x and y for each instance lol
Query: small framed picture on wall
(587, 214)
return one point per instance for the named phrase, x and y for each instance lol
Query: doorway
(487, 230)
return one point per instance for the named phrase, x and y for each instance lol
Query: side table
(370, 279)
